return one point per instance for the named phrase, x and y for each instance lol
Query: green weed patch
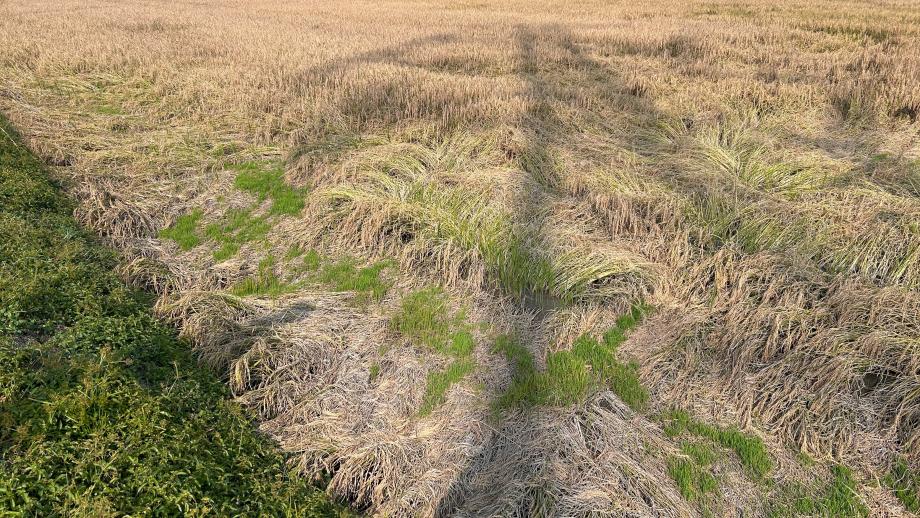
(425, 318)
(374, 371)
(692, 473)
(905, 484)
(571, 375)
(264, 282)
(184, 231)
(839, 497)
(367, 282)
(293, 252)
(238, 227)
(312, 261)
(439, 382)
(344, 275)
(267, 181)
(750, 449)
(108, 109)
(694, 480)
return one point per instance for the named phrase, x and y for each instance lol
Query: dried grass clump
(594, 460)
(106, 211)
(465, 237)
(816, 359)
(880, 81)
(221, 326)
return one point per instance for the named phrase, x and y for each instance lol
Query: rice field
(542, 258)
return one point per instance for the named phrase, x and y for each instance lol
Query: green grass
(237, 228)
(571, 375)
(264, 282)
(461, 344)
(240, 226)
(439, 215)
(184, 231)
(439, 382)
(367, 282)
(622, 379)
(425, 318)
(344, 275)
(693, 481)
(701, 453)
(436, 216)
(838, 497)
(565, 381)
(905, 484)
(293, 252)
(312, 261)
(519, 357)
(693, 475)
(109, 109)
(267, 181)
(103, 411)
(804, 459)
(527, 384)
(750, 449)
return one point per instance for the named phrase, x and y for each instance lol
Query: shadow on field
(523, 468)
(378, 55)
(517, 472)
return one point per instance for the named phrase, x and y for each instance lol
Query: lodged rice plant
(295, 195)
